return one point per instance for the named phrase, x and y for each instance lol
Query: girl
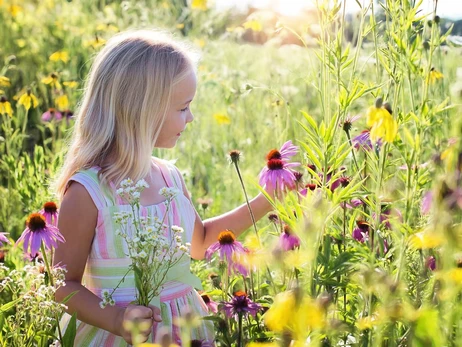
(137, 98)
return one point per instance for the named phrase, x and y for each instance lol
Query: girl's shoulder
(173, 171)
(89, 179)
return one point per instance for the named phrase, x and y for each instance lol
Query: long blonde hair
(126, 99)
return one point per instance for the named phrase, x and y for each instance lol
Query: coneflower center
(206, 298)
(240, 293)
(275, 164)
(362, 225)
(36, 222)
(273, 154)
(226, 237)
(50, 207)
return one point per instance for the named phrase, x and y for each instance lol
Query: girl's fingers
(156, 313)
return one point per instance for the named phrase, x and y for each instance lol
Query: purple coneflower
(211, 305)
(229, 248)
(38, 230)
(3, 239)
(278, 174)
(355, 202)
(361, 232)
(309, 186)
(341, 181)
(426, 202)
(240, 304)
(50, 212)
(51, 114)
(287, 151)
(363, 140)
(288, 241)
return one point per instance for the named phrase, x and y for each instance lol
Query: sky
(446, 8)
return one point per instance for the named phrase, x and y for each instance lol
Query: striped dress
(108, 262)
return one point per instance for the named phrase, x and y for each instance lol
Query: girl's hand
(139, 318)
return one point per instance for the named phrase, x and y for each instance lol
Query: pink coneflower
(32, 257)
(50, 212)
(3, 239)
(387, 214)
(51, 114)
(355, 202)
(277, 173)
(288, 241)
(363, 140)
(341, 181)
(229, 249)
(426, 202)
(38, 230)
(240, 304)
(361, 232)
(211, 305)
(288, 150)
(309, 186)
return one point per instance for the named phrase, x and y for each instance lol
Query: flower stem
(247, 200)
(239, 336)
(47, 264)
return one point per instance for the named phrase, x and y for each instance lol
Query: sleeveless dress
(107, 263)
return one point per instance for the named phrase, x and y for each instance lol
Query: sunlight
(291, 7)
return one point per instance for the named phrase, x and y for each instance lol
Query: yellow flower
(434, 75)
(96, 43)
(180, 26)
(60, 55)
(199, 42)
(425, 240)
(27, 100)
(62, 102)
(222, 118)
(21, 43)
(368, 322)
(253, 24)
(14, 10)
(384, 126)
(5, 107)
(299, 318)
(199, 4)
(71, 84)
(107, 27)
(52, 80)
(4, 81)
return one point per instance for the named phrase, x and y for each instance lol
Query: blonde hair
(126, 99)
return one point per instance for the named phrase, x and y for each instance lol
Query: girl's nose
(190, 117)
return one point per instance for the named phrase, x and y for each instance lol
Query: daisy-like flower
(361, 232)
(240, 304)
(52, 80)
(380, 118)
(348, 122)
(211, 305)
(3, 239)
(50, 212)
(277, 173)
(28, 100)
(38, 230)
(341, 181)
(51, 114)
(288, 241)
(434, 76)
(228, 247)
(5, 107)
(362, 140)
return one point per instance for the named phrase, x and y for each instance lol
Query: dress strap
(89, 179)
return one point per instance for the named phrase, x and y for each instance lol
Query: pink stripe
(101, 246)
(176, 335)
(110, 340)
(176, 215)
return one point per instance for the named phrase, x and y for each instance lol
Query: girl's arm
(77, 222)
(238, 220)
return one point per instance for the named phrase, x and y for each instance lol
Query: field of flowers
(365, 250)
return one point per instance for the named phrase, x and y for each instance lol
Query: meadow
(366, 251)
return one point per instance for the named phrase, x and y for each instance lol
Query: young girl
(137, 98)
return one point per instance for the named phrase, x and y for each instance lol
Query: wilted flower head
(234, 156)
(240, 304)
(38, 230)
(341, 181)
(50, 212)
(431, 263)
(347, 123)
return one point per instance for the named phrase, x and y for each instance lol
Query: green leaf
(71, 330)
(9, 305)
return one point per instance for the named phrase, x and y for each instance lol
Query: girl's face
(179, 113)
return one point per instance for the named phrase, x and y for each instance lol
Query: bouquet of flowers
(153, 246)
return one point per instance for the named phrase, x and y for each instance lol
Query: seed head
(36, 222)
(50, 207)
(226, 237)
(378, 102)
(234, 156)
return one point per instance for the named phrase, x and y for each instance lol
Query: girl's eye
(184, 109)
